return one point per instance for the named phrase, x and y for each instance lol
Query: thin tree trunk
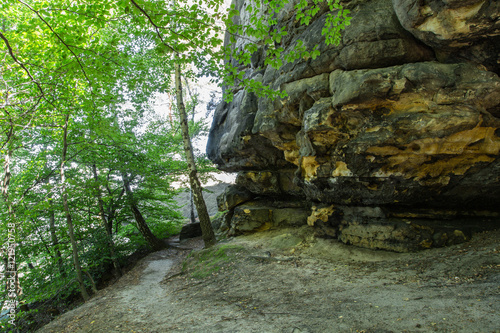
(69, 220)
(107, 227)
(12, 279)
(53, 234)
(152, 240)
(192, 216)
(47, 248)
(192, 99)
(6, 182)
(57, 256)
(201, 207)
(55, 239)
(92, 282)
(113, 206)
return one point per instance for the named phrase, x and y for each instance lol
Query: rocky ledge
(389, 140)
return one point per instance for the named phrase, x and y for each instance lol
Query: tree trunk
(92, 282)
(53, 234)
(152, 240)
(55, 239)
(69, 220)
(192, 216)
(206, 225)
(107, 227)
(112, 207)
(11, 275)
(54, 253)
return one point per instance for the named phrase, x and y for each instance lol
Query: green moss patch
(201, 264)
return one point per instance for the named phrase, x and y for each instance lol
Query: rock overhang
(379, 122)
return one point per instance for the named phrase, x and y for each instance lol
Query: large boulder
(401, 118)
(190, 230)
(232, 197)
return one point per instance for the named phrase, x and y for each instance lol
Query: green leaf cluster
(263, 34)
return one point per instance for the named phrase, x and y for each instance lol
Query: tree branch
(60, 39)
(17, 61)
(86, 15)
(153, 24)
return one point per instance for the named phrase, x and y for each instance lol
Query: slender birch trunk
(201, 207)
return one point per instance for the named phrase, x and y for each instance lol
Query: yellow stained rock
(447, 24)
(457, 153)
(321, 214)
(426, 243)
(341, 170)
(326, 138)
(459, 233)
(257, 177)
(292, 156)
(309, 167)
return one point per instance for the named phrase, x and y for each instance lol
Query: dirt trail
(147, 296)
(135, 300)
(288, 281)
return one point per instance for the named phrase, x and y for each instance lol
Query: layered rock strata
(389, 140)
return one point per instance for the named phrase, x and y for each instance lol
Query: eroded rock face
(392, 138)
(408, 133)
(455, 28)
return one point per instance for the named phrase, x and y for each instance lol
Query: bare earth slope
(288, 281)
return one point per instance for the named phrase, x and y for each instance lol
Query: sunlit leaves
(263, 33)
(334, 24)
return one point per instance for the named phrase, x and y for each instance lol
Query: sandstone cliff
(389, 140)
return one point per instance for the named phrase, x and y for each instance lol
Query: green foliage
(263, 32)
(129, 238)
(334, 24)
(220, 214)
